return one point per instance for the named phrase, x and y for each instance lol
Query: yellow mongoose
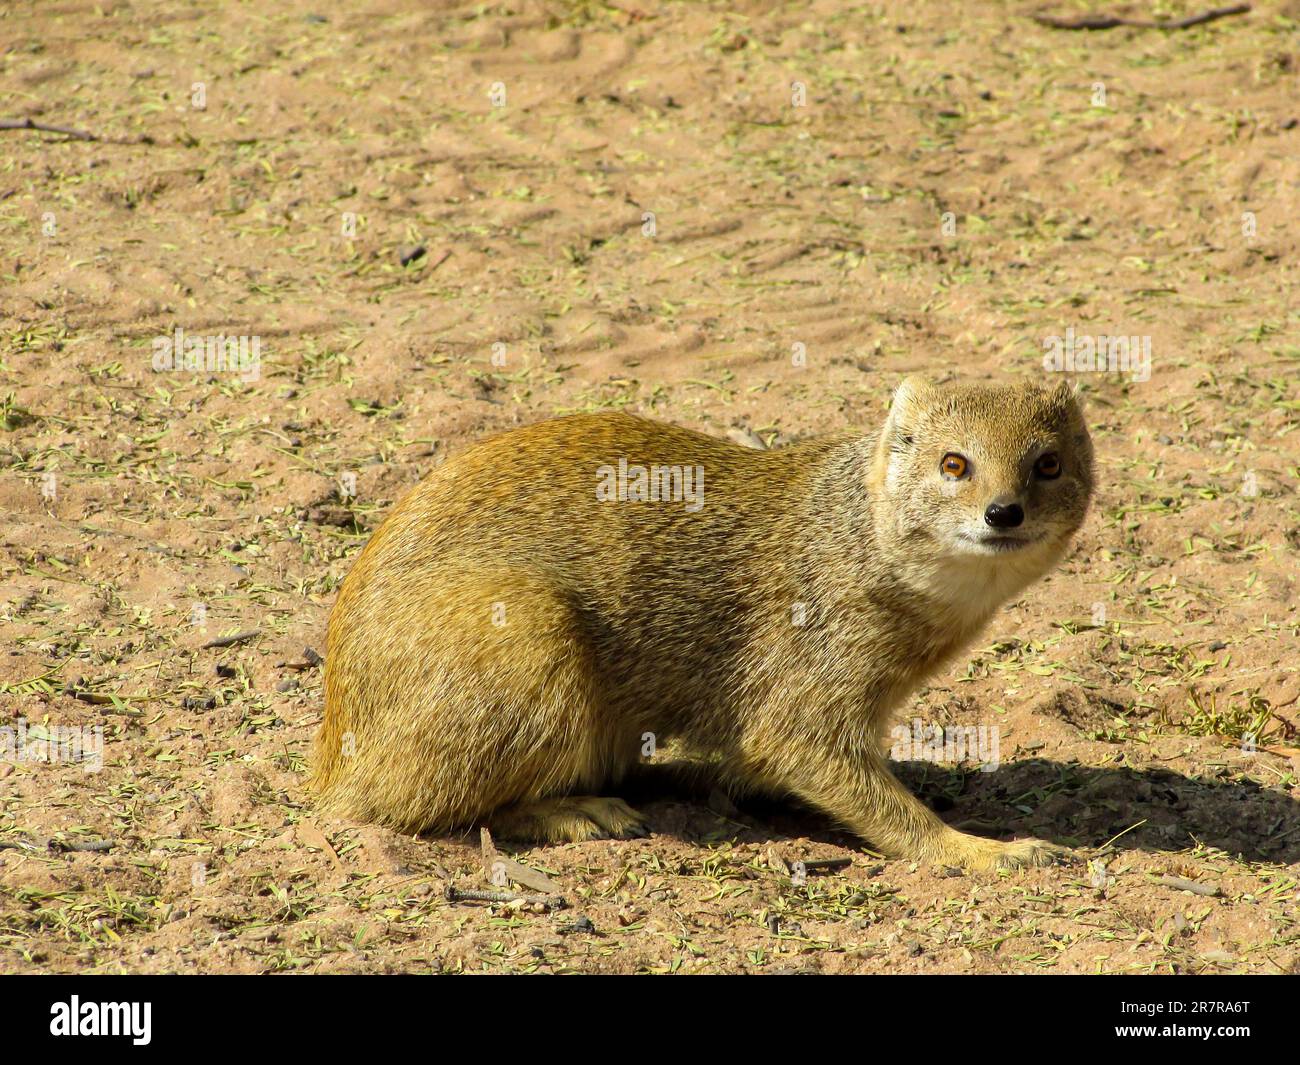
(537, 605)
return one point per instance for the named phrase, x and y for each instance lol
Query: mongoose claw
(617, 818)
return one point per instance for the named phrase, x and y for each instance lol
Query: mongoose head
(981, 486)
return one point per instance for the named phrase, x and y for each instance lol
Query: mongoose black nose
(1007, 517)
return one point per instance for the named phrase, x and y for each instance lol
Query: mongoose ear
(910, 398)
(1067, 393)
(1067, 397)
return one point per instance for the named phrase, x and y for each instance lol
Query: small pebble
(409, 253)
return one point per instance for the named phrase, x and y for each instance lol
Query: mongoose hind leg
(470, 691)
(568, 819)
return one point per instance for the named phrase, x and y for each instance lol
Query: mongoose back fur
(523, 618)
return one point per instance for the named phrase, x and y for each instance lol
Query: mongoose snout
(1009, 516)
(547, 609)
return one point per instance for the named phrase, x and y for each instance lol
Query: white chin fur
(979, 577)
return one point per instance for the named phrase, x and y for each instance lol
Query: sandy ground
(436, 221)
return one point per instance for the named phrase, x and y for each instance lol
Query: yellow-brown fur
(506, 639)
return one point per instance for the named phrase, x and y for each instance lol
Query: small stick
(94, 845)
(548, 902)
(27, 123)
(69, 132)
(1107, 22)
(238, 637)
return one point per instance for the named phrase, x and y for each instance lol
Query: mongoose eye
(1048, 466)
(954, 465)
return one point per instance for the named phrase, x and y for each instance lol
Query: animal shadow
(1078, 806)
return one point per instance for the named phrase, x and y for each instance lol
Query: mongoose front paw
(979, 854)
(1023, 853)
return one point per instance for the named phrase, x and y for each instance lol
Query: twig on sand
(94, 846)
(542, 902)
(233, 638)
(1212, 891)
(1107, 22)
(69, 132)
